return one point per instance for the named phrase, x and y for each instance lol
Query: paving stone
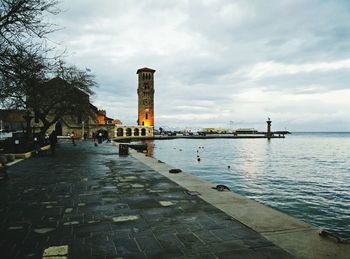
(240, 254)
(144, 204)
(189, 240)
(169, 240)
(225, 236)
(68, 210)
(134, 225)
(164, 253)
(228, 246)
(78, 249)
(100, 246)
(8, 248)
(273, 252)
(89, 229)
(32, 246)
(55, 251)
(148, 243)
(257, 242)
(70, 223)
(126, 246)
(125, 218)
(166, 203)
(43, 230)
(101, 205)
(206, 236)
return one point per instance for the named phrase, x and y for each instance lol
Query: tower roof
(145, 69)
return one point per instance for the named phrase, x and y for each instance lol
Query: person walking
(53, 141)
(72, 137)
(100, 137)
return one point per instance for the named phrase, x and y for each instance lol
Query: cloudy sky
(220, 63)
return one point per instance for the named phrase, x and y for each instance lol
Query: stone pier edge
(295, 236)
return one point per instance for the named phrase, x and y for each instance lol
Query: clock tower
(145, 92)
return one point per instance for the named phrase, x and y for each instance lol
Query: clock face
(145, 102)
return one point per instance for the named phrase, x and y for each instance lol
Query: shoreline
(295, 236)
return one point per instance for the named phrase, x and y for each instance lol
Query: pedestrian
(53, 141)
(72, 137)
(85, 136)
(47, 139)
(99, 137)
(94, 136)
(36, 145)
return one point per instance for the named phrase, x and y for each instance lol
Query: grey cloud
(196, 46)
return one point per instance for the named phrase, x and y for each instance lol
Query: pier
(260, 135)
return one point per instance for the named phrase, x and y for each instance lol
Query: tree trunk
(46, 125)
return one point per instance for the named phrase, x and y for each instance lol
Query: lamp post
(82, 131)
(28, 117)
(0, 129)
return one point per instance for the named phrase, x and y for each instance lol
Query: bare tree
(23, 19)
(47, 88)
(23, 28)
(24, 70)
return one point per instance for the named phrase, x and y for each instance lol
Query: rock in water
(175, 171)
(221, 188)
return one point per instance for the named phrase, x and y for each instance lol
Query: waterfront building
(132, 131)
(95, 120)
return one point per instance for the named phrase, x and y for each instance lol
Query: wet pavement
(89, 202)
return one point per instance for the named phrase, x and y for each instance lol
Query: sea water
(306, 175)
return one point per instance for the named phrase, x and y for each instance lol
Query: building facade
(133, 131)
(145, 92)
(95, 120)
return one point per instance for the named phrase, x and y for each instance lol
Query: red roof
(145, 69)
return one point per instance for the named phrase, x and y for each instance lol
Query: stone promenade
(89, 202)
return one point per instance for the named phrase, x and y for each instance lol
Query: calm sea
(306, 175)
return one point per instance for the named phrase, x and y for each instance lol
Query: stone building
(12, 120)
(93, 121)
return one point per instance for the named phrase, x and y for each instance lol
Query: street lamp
(0, 129)
(82, 134)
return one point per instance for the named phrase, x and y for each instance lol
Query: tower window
(143, 123)
(146, 116)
